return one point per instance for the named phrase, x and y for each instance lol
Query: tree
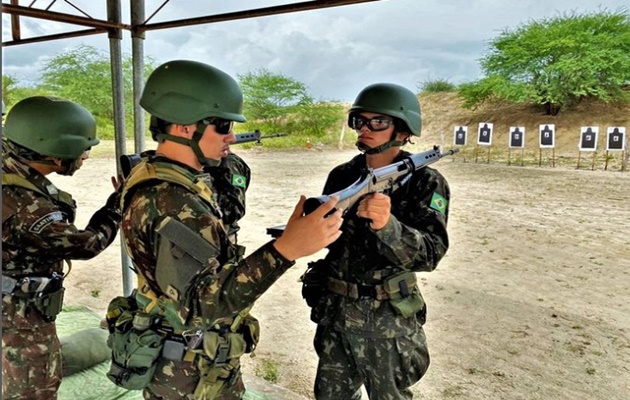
(277, 103)
(271, 96)
(83, 75)
(558, 61)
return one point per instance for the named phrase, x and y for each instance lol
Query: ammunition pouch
(45, 294)
(314, 282)
(136, 346)
(404, 295)
(250, 329)
(221, 365)
(49, 304)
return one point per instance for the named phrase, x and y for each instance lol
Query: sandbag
(83, 350)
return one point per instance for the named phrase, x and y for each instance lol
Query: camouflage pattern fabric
(387, 367)
(415, 239)
(219, 291)
(231, 180)
(178, 379)
(37, 235)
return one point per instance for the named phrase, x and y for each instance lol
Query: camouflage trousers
(178, 380)
(31, 356)
(387, 367)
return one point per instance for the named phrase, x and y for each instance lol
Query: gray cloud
(336, 52)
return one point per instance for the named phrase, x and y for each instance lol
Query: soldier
(196, 297)
(364, 295)
(42, 135)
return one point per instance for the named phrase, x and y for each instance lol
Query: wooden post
(606, 162)
(540, 157)
(578, 163)
(593, 164)
(509, 155)
(488, 156)
(476, 153)
(522, 156)
(553, 157)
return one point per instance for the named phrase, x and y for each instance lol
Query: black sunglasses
(222, 126)
(375, 124)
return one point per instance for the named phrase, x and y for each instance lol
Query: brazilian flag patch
(239, 181)
(439, 203)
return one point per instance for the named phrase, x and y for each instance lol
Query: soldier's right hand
(307, 234)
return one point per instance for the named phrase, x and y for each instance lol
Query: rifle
(385, 179)
(128, 161)
(255, 136)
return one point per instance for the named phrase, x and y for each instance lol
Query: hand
(376, 207)
(118, 183)
(307, 234)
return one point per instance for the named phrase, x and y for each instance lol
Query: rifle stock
(387, 178)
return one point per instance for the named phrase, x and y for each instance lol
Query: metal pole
(118, 96)
(137, 59)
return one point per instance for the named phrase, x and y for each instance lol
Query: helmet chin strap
(71, 167)
(364, 148)
(193, 143)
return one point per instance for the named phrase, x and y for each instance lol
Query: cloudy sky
(336, 51)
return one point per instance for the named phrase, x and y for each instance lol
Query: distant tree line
(553, 63)
(274, 103)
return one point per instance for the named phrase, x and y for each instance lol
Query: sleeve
(222, 288)
(416, 238)
(232, 179)
(44, 226)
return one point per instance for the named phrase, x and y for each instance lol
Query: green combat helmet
(52, 127)
(186, 92)
(392, 100)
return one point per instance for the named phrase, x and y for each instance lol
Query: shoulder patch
(239, 181)
(46, 220)
(439, 203)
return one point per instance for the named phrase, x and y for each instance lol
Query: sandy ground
(532, 300)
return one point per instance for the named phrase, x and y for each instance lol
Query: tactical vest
(59, 197)
(143, 173)
(44, 293)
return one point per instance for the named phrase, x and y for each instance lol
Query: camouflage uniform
(364, 340)
(37, 236)
(209, 302)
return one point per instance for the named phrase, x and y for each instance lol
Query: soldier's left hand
(376, 207)
(117, 183)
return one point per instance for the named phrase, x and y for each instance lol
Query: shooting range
(484, 138)
(139, 26)
(516, 141)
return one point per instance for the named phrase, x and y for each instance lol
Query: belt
(356, 291)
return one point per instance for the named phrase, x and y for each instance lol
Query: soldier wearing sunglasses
(192, 284)
(364, 295)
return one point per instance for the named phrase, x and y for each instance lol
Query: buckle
(193, 339)
(222, 354)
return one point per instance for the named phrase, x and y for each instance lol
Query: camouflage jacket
(37, 226)
(221, 288)
(414, 239)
